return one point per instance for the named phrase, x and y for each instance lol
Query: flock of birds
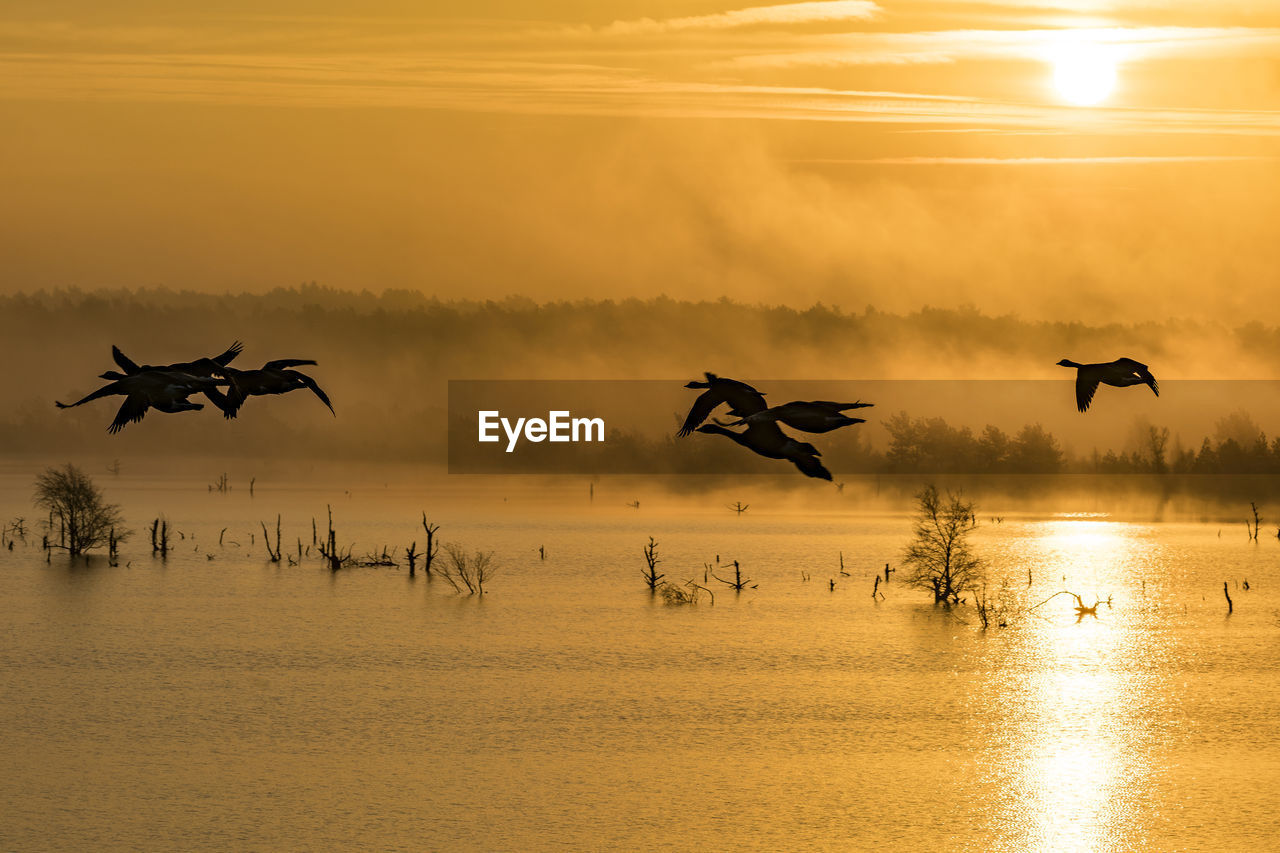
(765, 437)
(168, 388)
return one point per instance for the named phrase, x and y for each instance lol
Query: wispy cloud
(1031, 161)
(946, 46)
(786, 13)
(481, 85)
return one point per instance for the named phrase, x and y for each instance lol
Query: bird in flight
(767, 440)
(808, 416)
(1120, 373)
(163, 390)
(743, 400)
(274, 377)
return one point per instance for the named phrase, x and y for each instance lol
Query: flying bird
(274, 377)
(743, 400)
(163, 390)
(1120, 373)
(808, 416)
(768, 440)
(199, 367)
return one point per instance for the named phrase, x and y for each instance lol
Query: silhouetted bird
(274, 377)
(163, 390)
(1120, 373)
(811, 416)
(768, 440)
(199, 367)
(743, 400)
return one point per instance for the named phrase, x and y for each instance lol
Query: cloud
(532, 88)
(946, 46)
(1029, 161)
(785, 13)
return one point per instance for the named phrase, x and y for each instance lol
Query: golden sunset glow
(1084, 73)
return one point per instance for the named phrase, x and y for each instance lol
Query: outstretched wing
(287, 362)
(104, 391)
(131, 411)
(227, 357)
(842, 407)
(702, 407)
(311, 383)
(1086, 386)
(811, 467)
(1146, 376)
(127, 365)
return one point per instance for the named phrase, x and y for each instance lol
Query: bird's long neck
(727, 433)
(1066, 362)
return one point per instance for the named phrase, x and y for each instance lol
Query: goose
(199, 367)
(274, 377)
(743, 400)
(808, 416)
(163, 390)
(1120, 373)
(766, 439)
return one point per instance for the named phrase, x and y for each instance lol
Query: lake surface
(214, 700)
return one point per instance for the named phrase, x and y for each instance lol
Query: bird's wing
(744, 400)
(127, 365)
(227, 357)
(1146, 376)
(764, 433)
(131, 411)
(841, 407)
(811, 467)
(1086, 386)
(703, 406)
(104, 391)
(225, 404)
(311, 383)
(287, 362)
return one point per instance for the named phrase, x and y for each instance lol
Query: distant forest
(385, 359)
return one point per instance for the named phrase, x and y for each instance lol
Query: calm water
(217, 701)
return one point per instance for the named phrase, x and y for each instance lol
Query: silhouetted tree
(72, 499)
(939, 558)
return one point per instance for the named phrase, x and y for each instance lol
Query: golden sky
(895, 153)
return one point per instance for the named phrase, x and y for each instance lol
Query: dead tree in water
(1082, 609)
(467, 570)
(1257, 520)
(738, 582)
(84, 518)
(160, 537)
(433, 547)
(651, 576)
(739, 507)
(329, 550)
(939, 556)
(274, 556)
(1225, 592)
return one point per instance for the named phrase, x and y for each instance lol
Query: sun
(1084, 73)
